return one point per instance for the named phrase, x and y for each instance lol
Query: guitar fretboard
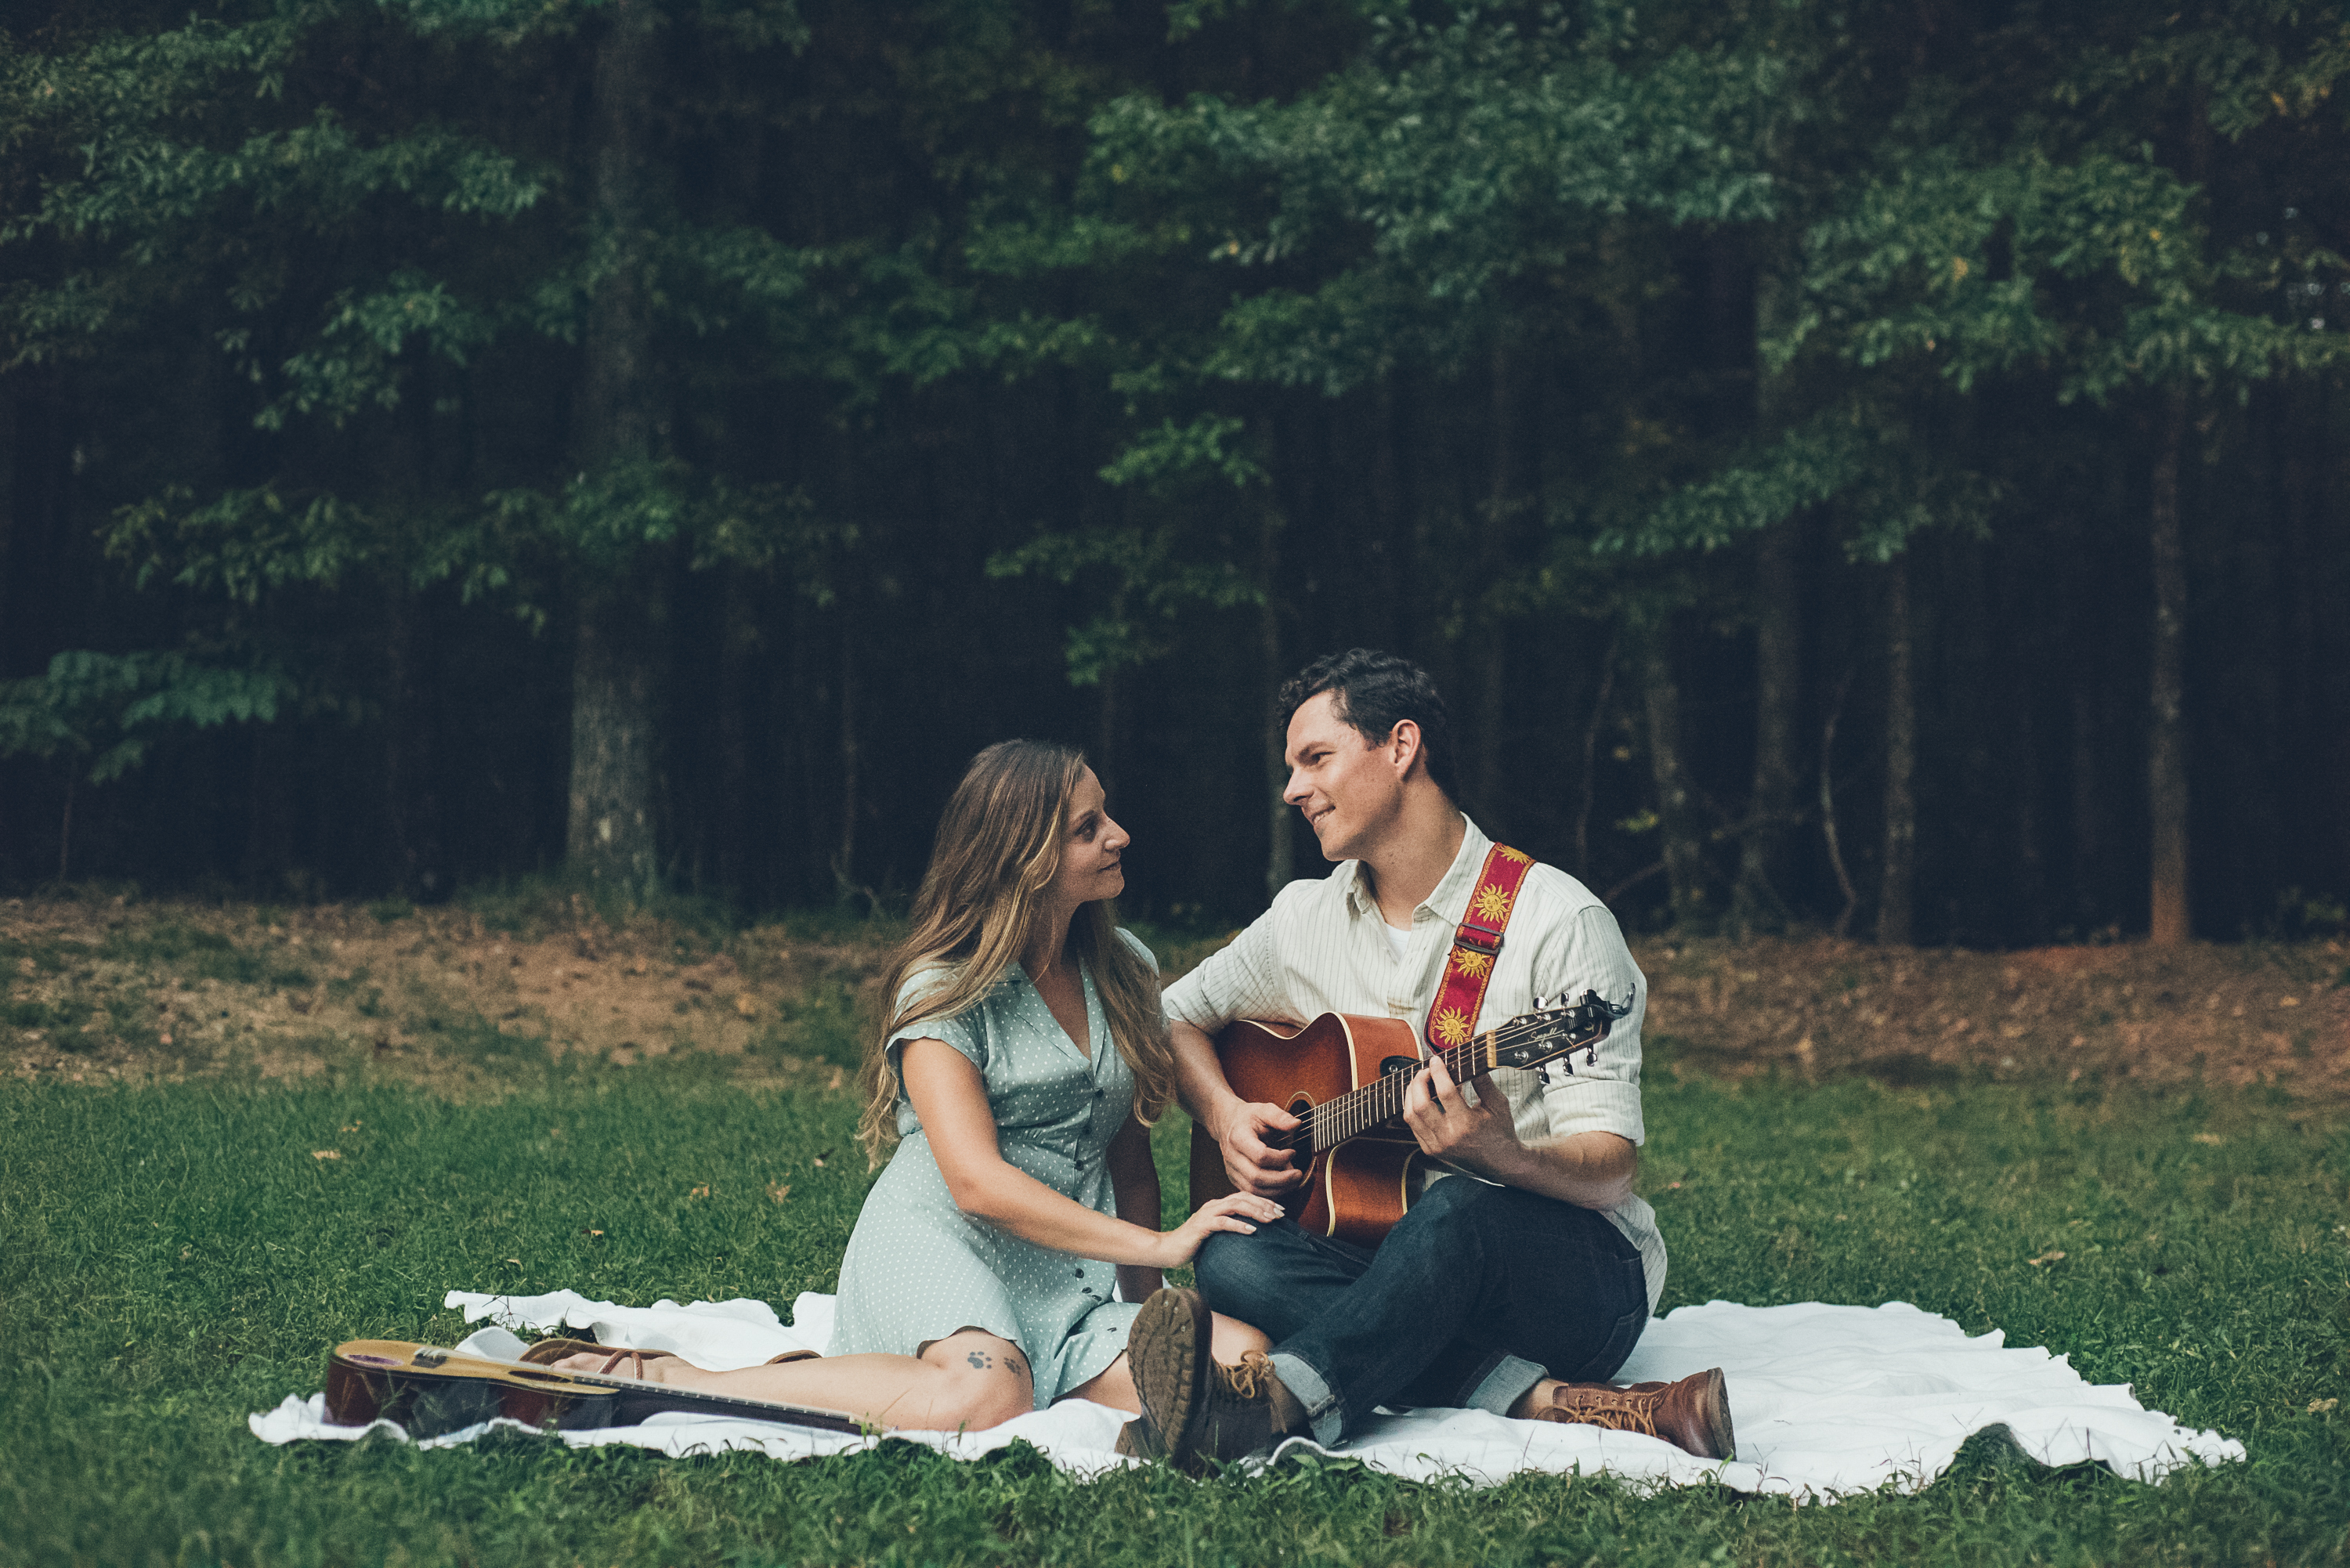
(694, 1401)
(1357, 1111)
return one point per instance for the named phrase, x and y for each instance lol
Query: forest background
(1871, 465)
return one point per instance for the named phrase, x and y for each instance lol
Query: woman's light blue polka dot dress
(917, 1268)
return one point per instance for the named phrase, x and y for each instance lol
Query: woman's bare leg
(965, 1382)
(1113, 1385)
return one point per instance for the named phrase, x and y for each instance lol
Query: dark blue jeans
(1478, 1293)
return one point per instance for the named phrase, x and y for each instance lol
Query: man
(1526, 1274)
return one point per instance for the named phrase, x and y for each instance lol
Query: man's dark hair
(1375, 691)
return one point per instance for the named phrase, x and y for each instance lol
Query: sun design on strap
(1492, 902)
(1472, 964)
(1451, 1026)
(1519, 856)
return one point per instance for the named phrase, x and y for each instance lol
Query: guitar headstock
(1556, 1028)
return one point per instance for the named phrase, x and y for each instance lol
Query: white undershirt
(1396, 938)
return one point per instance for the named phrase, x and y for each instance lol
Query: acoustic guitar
(427, 1391)
(1343, 1076)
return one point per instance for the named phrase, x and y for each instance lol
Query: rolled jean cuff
(1323, 1411)
(1511, 1380)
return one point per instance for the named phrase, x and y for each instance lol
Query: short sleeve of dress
(962, 1031)
(1141, 951)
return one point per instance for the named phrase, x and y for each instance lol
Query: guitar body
(427, 1391)
(1354, 1192)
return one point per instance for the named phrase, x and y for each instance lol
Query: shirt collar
(1449, 900)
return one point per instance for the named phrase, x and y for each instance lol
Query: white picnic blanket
(1829, 1401)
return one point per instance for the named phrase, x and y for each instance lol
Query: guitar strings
(1337, 1119)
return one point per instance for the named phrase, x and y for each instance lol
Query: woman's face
(1092, 848)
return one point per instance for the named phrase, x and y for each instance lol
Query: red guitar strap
(1470, 967)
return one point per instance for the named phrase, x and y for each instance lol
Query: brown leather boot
(1194, 1410)
(1692, 1414)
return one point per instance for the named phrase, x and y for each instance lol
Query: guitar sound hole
(1400, 1066)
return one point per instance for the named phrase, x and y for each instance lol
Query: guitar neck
(1378, 1103)
(687, 1401)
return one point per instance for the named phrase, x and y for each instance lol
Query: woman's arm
(951, 1100)
(1134, 1177)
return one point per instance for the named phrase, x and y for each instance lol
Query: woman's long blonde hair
(997, 854)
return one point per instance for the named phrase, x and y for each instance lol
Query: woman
(1023, 1060)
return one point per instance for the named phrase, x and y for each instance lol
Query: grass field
(175, 1256)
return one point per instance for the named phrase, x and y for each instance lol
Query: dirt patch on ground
(2248, 1014)
(101, 989)
(117, 990)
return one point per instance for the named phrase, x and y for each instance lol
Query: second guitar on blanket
(1344, 1075)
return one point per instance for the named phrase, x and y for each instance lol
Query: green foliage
(102, 712)
(1886, 478)
(1908, 272)
(1482, 330)
(1152, 589)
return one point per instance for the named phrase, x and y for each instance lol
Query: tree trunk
(1495, 558)
(1391, 540)
(2167, 738)
(269, 869)
(2031, 813)
(738, 646)
(1280, 855)
(2088, 805)
(1660, 688)
(843, 855)
(1897, 889)
(1778, 620)
(411, 802)
(1591, 759)
(64, 824)
(610, 841)
(1778, 688)
(1110, 693)
(610, 838)
(1107, 718)
(810, 760)
(9, 447)
(1828, 807)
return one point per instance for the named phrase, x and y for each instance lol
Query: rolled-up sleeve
(1586, 953)
(1239, 980)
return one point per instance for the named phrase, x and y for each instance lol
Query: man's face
(1349, 789)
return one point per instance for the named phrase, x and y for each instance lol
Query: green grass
(172, 1257)
(824, 1022)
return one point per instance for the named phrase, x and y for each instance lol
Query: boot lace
(1254, 1377)
(1614, 1411)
